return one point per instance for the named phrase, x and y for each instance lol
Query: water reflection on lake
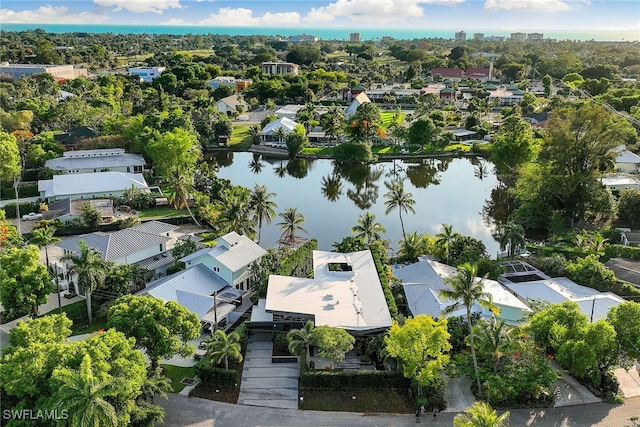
(331, 198)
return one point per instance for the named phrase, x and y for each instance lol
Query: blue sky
(515, 15)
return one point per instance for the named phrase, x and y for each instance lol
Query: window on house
(160, 247)
(216, 269)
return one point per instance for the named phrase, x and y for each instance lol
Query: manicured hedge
(216, 376)
(351, 380)
(298, 259)
(621, 251)
(25, 208)
(383, 274)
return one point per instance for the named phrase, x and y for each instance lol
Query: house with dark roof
(75, 136)
(626, 270)
(67, 210)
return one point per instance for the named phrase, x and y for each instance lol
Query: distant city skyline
(527, 16)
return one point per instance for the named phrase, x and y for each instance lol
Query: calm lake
(451, 191)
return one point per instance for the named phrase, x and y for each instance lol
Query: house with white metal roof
(531, 284)
(90, 185)
(627, 161)
(345, 292)
(103, 160)
(230, 259)
(423, 280)
(266, 134)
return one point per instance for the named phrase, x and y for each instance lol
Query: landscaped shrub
(217, 376)
(617, 251)
(384, 273)
(25, 208)
(280, 344)
(432, 397)
(353, 380)
(299, 262)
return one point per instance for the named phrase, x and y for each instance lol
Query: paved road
(193, 412)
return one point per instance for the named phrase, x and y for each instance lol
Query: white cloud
(372, 10)
(50, 14)
(528, 5)
(140, 6)
(242, 17)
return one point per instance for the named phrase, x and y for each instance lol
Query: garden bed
(366, 401)
(212, 392)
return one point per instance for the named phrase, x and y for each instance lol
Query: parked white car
(32, 216)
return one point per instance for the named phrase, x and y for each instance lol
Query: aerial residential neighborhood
(212, 219)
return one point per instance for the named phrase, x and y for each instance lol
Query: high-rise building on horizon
(354, 38)
(460, 36)
(478, 36)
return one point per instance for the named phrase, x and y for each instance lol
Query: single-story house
(75, 135)
(266, 134)
(89, 161)
(66, 209)
(627, 161)
(535, 285)
(423, 280)
(232, 104)
(626, 270)
(230, 259)
(90, 185)
(447, 73)
(289, 111)
(620, 182)
(345, 292)
(358, 100)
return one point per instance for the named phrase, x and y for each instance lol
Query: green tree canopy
(24, 282)
(481, 414)
(176, 147)
(161, 328)
(333, 343)
(625, 319)
(421, 345)
(50, 329)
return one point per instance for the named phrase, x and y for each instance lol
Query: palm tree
(222, 346)
(84, 396)
(332, 123)
(397, 198)
(254, 132)
(466, 291)
(412, 247)
(235, 213)
(292, 221)
(43, 237)
(279, 134)
(262, 206)
(90, 270)
(445, 238)
(181, 187)
(302, 339)
(481, 414)
(493, 337)
(368, 229)
(513, 237)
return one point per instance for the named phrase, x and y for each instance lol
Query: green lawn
(176, 374)
(318, 151)
(458, 147)
(162, 212)
(77, 313)
(387, 118)
(240, 138)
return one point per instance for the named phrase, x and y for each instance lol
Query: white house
(146, 74)
(289, 111)
(266, 134)
(620, 182)
(345, 292)
(423, 280)
(89, 161)
(18, 71)
(229, 259)
(232, 104)
(627, 161)
(150, 240)
(90, 185)
(359, 99)
(279, 68)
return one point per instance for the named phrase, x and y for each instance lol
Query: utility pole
(593, 306)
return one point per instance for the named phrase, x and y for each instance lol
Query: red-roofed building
(447, 73)
(481, 74)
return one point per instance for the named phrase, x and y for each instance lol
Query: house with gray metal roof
(422, 282)
(90, 161)
(230, 258)
(90, 185)
(150, 241)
